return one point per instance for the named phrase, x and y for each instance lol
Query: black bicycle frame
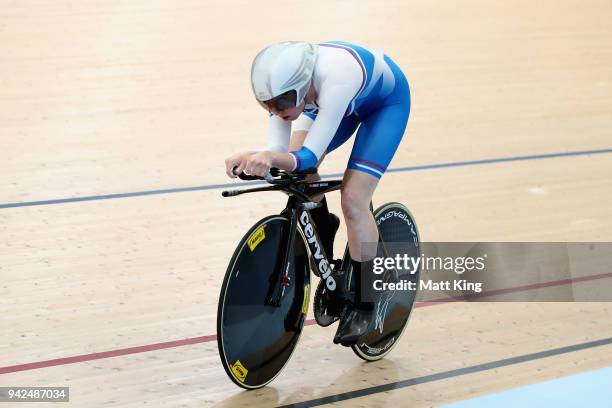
(298, 207)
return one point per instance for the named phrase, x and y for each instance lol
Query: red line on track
(524, 288)
(204, 339)
(105, 354)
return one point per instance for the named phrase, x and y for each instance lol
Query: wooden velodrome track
(104, 98)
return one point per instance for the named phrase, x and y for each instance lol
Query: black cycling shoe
(358, 317)
(353, 326)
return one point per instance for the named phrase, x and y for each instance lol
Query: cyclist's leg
(375, 144)
(356, 195)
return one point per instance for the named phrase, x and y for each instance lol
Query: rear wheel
(400, 235)
(257, 339)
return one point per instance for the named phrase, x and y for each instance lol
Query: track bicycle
(265, 293)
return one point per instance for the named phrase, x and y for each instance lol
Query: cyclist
(327, 92)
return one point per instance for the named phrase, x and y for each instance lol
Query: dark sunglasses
(283, 101)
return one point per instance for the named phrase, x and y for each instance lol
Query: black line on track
(448, 374)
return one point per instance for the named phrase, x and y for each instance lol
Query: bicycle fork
(282, 281)
(322, 269)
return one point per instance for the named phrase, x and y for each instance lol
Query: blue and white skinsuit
(356, 87)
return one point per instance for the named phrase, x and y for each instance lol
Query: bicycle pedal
(328, 306)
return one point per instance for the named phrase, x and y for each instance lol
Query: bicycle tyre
(396, 224)
(256, 340)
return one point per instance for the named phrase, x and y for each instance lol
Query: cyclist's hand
(237, 161)
(259, 164)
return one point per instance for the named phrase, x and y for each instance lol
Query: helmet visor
(283, 101)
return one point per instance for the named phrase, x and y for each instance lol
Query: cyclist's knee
(354, 204)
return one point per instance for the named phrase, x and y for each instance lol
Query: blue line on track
(253, 183)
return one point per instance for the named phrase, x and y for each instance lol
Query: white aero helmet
(281, 74)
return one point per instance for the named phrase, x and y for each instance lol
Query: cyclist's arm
(279, 136)
(279, 133)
